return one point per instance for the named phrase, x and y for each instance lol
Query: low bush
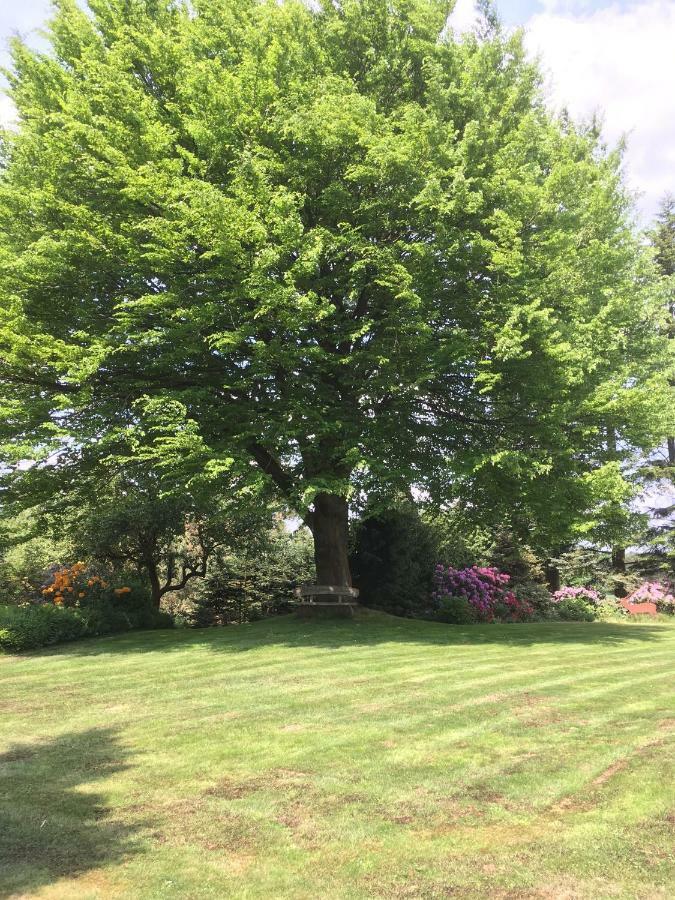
(41, 624)
(76, 604)
(477, 594)
(513, 609)
(580, 604)
(27, 627)
(576, 609)
(537, 596)
(610, 608)
(456, 611)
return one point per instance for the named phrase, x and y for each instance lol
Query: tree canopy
(330, 245)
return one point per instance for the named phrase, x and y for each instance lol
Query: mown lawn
(375, 758)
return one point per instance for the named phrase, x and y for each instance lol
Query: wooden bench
(326, 599)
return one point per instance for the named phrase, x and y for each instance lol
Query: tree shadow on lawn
(368, 628)
(49, 829)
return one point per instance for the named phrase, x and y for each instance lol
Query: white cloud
(618, 61)
(464, 17)
(7, 111)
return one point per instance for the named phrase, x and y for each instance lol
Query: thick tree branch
(271, 466)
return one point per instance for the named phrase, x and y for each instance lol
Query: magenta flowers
(486, 590)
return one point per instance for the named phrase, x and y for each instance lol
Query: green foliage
(256, 581)
(27, 551)
(460, 539)
(331, 241)
(27, 627)
(537, 596)
(576, 609)
(111, 611)
(456, 611)
(663, 236)
(583, 565)
(96, 610)
(393, 560)
(609, 609)
(511, 556)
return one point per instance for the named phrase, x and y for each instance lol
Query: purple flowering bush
(663, 595)
(477, 594)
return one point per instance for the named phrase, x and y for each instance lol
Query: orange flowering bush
(71, 585)
(77, 603)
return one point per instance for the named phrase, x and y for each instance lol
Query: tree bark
(331, 548)
(619, 559)
(552, 577)
(155, 587)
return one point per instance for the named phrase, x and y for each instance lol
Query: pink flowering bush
(577, 593)
(663, 595)
(477, 594)
(577, 604)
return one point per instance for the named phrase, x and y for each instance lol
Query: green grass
(374, 758)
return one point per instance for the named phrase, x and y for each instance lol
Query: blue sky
(519, 11)
(613, 57)
(30, 13)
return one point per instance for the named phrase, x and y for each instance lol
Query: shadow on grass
(51, 825)
(368, 628)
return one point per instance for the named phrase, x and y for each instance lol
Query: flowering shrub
(477, 594)
(72, 586)
(74, 603)
(514, 609)
(577, 603)
(663, 595)
(577, 593)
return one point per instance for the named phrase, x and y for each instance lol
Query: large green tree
(355, 251)
(663, 240)
(660, 470)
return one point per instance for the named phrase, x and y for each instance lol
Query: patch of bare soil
(534, 711)
(229, 789)
(614, 769)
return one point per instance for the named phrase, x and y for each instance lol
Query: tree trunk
(552, 577)
(619, 559)
(155, 589)
(330, 529)
(671, 451)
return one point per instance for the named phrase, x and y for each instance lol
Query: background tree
(165, 539)
(393, 558)
(143, 499)
(659, 472)
(254, 578)
(350, 249)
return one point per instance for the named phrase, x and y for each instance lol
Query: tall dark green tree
(354, 252)
(662, 471)
(663, 235)
(663, 239)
